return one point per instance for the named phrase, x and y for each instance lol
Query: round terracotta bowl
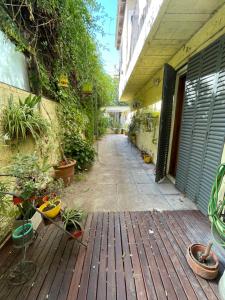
(205, 271)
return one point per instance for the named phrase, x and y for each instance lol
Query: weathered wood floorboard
(137, 255)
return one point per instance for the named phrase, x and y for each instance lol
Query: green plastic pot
(22, 234)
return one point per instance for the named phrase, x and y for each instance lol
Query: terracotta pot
(205, 271)
(65, 172)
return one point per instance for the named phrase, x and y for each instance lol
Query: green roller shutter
(203, 124)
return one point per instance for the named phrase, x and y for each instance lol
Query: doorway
(177, 125)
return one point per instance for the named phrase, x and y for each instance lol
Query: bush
(79, 149)
(103, 124)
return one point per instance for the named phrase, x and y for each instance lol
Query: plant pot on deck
(50, 210)
(65, 172)
(76, 232)
(22, 234)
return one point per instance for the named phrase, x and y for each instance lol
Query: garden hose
(216, 208)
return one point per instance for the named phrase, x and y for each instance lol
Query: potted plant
(22, 234)
(87, 88)
(63, 80)
(51, 208)
(71, 219)
(65, 168)
(148, 158)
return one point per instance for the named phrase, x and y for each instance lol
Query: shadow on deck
(137, 255)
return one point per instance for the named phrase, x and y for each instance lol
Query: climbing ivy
(58, 38)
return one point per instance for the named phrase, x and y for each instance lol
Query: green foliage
(103, 124)
(79, 149)
(72, 218)
(32, 177)
(59, 38)
(20, 120)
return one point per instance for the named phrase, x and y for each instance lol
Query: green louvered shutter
(203, 124)
(169, 78)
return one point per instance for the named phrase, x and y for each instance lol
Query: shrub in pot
(65, 170)
(72, 221)
(79, 149)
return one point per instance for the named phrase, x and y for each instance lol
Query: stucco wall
(152, 91)
(148, 141)
(48, 146)
(212, 30)
(45, 147)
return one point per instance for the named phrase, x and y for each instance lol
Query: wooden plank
(67, 278)
(12, 256)
(176, 242)
(150, 288)
(45, 276)
(102, 278)
(94, 268)
(75, 282)
(32, 254)
(82, 292)
(129, 278)
(120, 279)
(111, 276)
(182, 237)
(167, 261)
(201, 237)
(169, 289)
(178, 267)
(152, 260)
(137, 273)
(60, 271)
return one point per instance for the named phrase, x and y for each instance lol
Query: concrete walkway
(120, 181)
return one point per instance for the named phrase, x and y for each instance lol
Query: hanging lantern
(63, 80)
(87, 88)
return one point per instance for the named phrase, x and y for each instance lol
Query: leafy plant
(76, 147)
(32, 176)
(20, 120)
(72, 218)
(103, 124)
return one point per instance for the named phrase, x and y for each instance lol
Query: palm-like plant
(22, 119)
(72, 218)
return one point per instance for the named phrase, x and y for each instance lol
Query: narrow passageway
(121, 181)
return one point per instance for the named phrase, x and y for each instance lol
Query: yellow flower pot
(51, 213)
(147, 159)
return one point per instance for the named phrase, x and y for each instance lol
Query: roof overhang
(176, 23)
(119, 22)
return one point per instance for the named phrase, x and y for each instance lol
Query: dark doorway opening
(177, 125)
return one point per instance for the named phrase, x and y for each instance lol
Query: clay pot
(65, 172)
(206, 271)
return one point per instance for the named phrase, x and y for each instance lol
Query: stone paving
(121, 181)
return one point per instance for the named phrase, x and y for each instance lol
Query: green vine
(58, 38)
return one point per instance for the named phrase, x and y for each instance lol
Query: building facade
(172, 59)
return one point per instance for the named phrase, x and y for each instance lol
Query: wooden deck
(137, 255)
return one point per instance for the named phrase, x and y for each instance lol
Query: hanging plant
(87, 88)
(20, 120)
(63, 80)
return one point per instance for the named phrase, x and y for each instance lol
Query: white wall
(13, 67)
